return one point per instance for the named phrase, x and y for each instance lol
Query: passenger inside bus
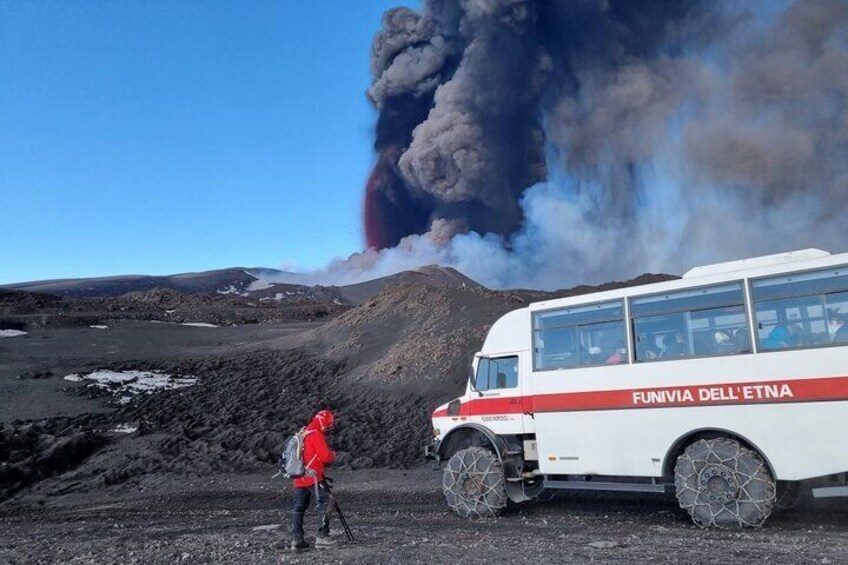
(594, 357)
(646, 347)
(619, 355)
(722, 344)
(838, 328)
(783, 336)
(673, 345)
(742, 341)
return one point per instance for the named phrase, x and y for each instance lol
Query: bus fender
(679, 445)
(455, 438)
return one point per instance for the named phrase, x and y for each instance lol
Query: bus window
(692, 323)
(496, 373)
(556, 348)
(579, 336)
(800, 310)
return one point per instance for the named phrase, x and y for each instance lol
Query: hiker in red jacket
(316, 454)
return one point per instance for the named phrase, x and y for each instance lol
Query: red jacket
(316, 454)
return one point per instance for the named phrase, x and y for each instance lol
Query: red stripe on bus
(478, 406)
(752, 392)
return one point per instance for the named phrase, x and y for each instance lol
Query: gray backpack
(291, 460)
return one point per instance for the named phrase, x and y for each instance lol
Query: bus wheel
(721, 483)
(474, 484)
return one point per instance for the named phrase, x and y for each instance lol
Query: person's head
(620, 348)
(325, 419)
(669, 339)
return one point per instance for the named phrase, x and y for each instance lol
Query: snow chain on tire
(721, 483)
(473, 483)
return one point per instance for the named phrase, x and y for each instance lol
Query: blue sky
(171, 136)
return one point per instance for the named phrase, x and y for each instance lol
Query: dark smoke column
(408, 59)
(458, 136)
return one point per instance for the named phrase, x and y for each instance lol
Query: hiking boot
(324, 542)
(298, 545)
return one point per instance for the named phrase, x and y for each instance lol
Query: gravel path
(397, 517)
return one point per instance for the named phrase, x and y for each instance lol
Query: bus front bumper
(431, 450)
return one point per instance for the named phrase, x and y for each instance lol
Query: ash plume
(546, 142)
(474, 141)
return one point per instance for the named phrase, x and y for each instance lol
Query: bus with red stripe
(727, 387)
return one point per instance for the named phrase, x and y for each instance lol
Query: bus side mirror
(471, 378)
(472, 387)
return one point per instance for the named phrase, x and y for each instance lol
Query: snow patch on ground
(122, 383)
(11, 333)
(99, 327)
(229, 290)
(125, 429)
(288, 293)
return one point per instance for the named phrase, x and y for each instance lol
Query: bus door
(496, 398)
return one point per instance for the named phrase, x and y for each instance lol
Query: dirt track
(397, 517)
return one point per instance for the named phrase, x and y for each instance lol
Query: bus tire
(721, 483)
(473, 483)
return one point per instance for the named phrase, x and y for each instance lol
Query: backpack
(291, 460)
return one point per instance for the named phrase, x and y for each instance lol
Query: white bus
(727, 387)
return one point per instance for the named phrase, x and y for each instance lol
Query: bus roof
(509, 333)
(793, 261)
(778, 259)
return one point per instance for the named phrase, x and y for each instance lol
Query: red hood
(316, 425)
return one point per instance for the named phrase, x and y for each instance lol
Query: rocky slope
(382, 365)
(420, 336)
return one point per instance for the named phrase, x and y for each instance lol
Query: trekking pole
(342, 519)
(338, 509)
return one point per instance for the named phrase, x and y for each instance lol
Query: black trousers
(302, 496)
